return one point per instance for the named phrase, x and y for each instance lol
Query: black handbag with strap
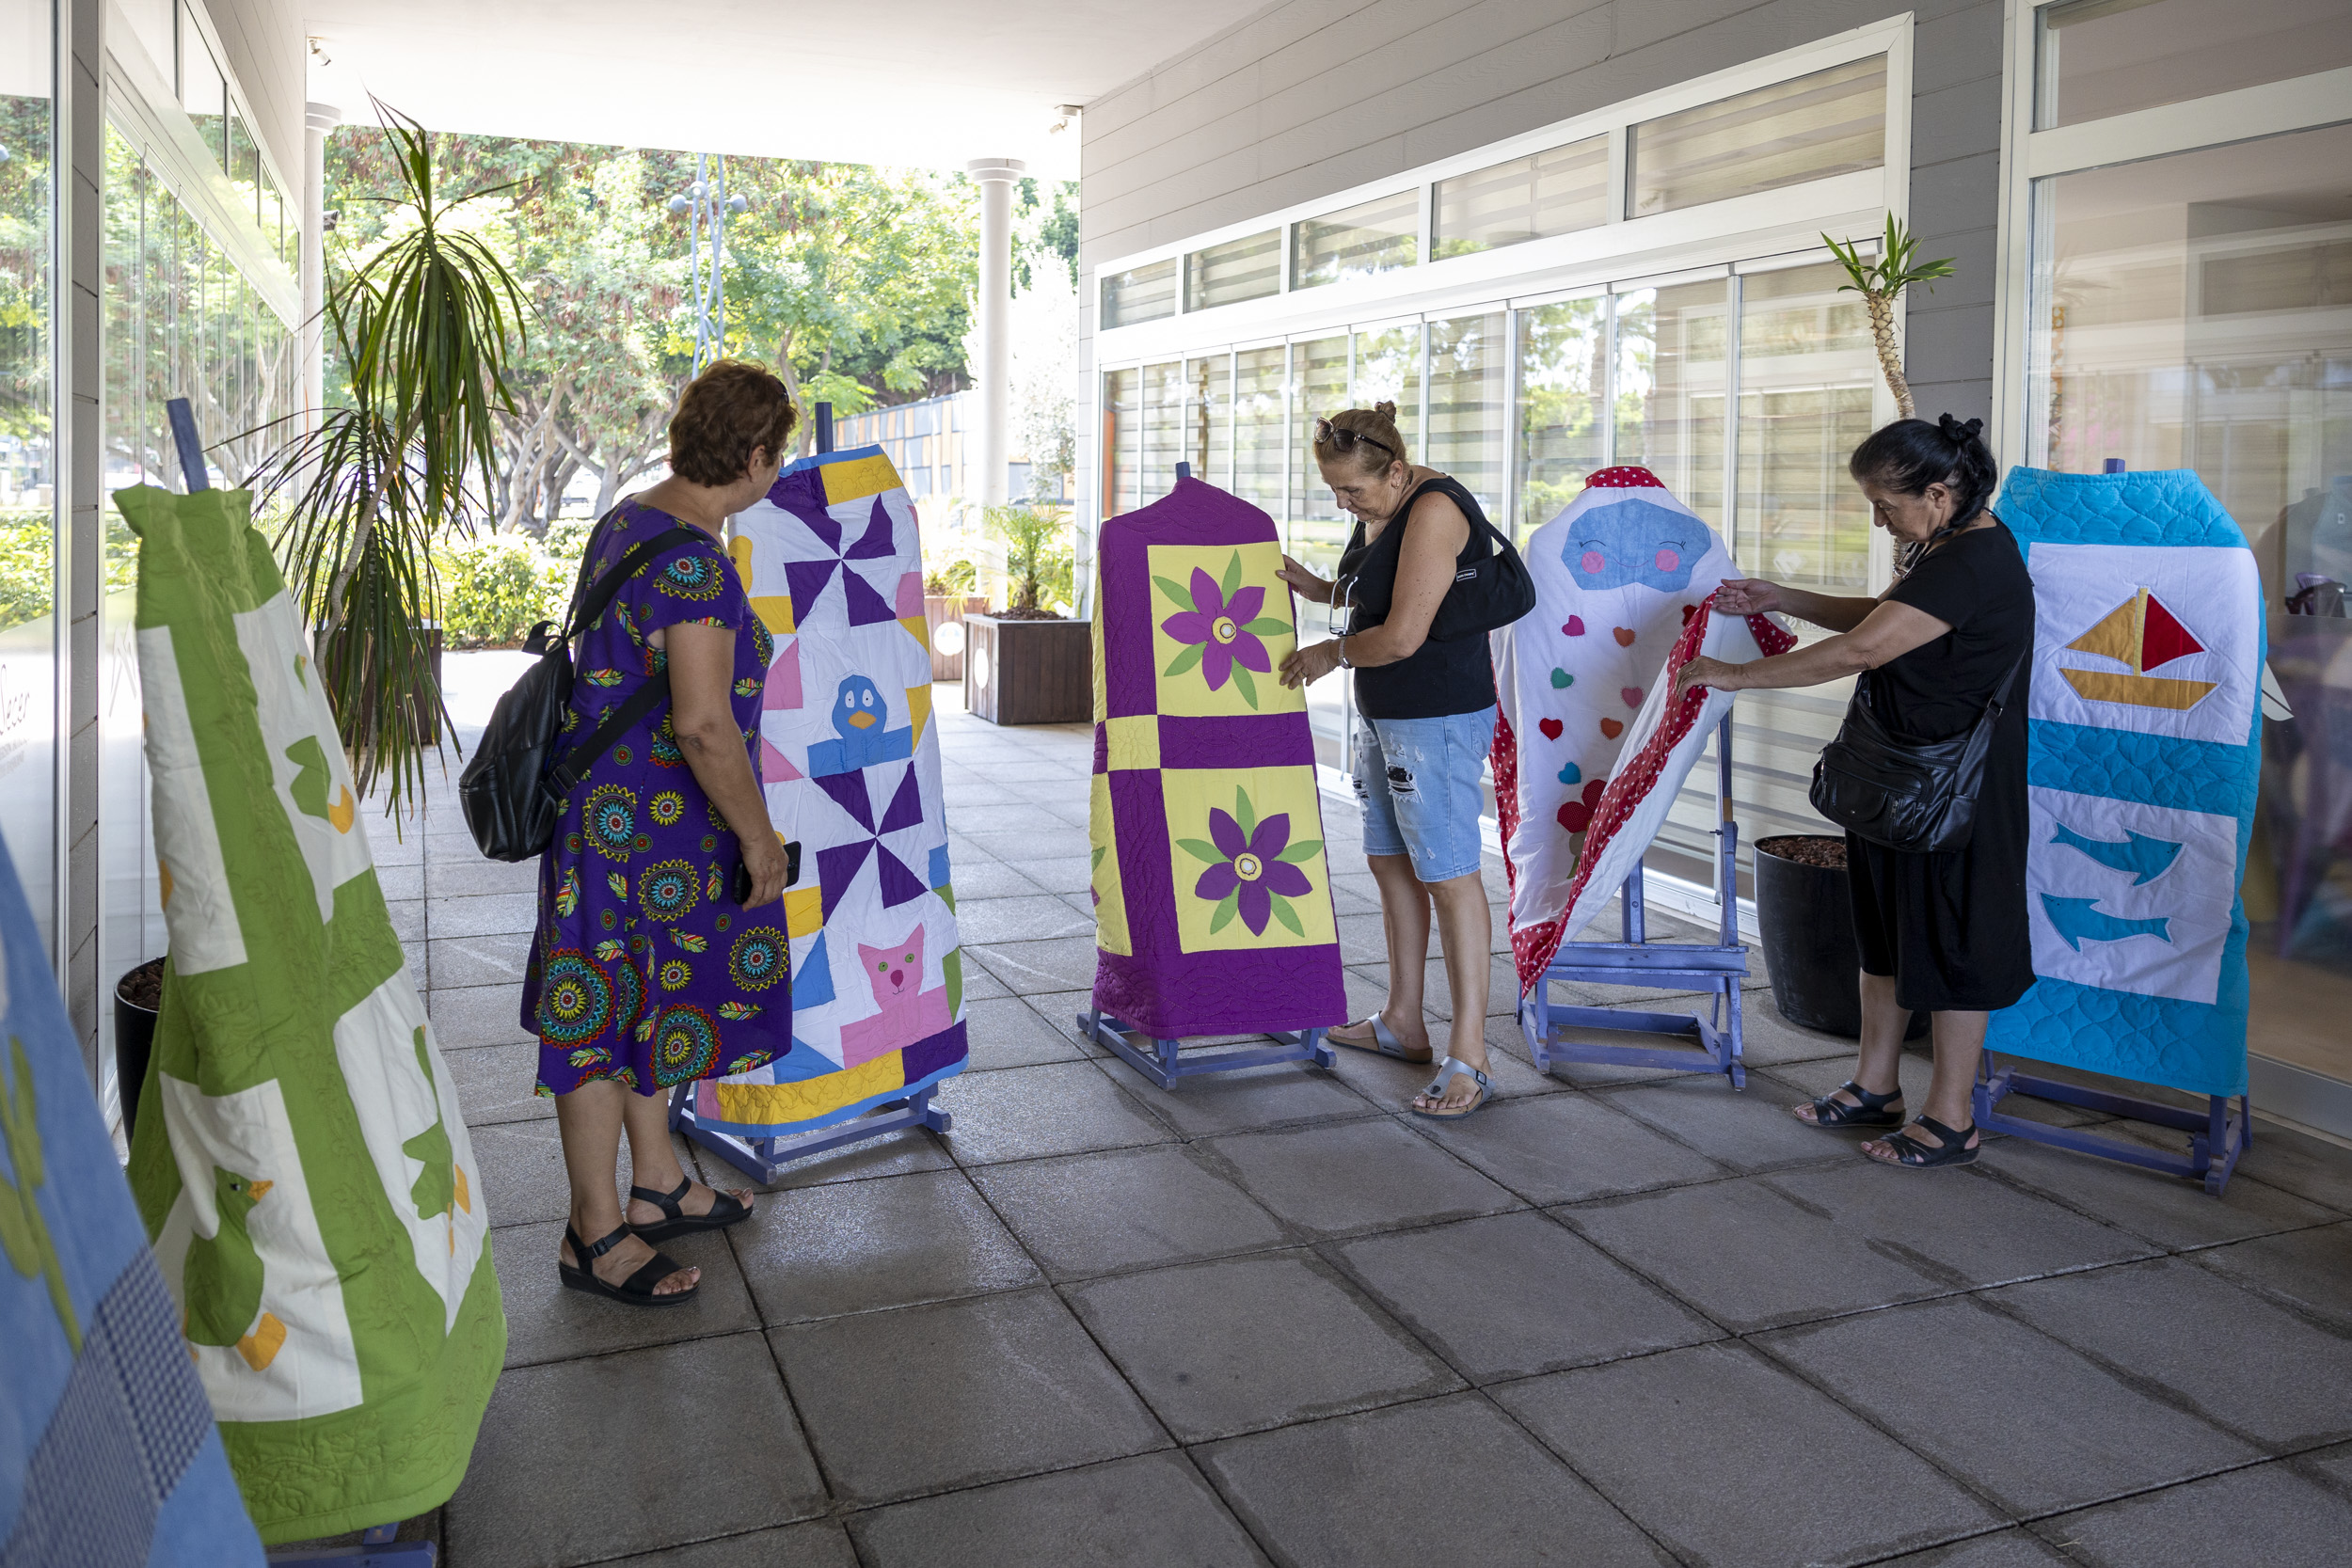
(1917, 796)
(513, 790)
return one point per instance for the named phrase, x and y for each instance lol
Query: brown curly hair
(1366, 437)
(725, 414)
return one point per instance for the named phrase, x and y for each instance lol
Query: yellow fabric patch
(1250, 796)
(918, 628)
(1110, 910)
(739, 551)
(2107, 685)
(803, 908)
(772, 1105)
(1094, 636)
(775, 611)
(864, 476)
(1240, 691)
(919, 708)
(1134, 742)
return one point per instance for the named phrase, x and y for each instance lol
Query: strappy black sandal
(638, 1288)
(1911, 1154)
(1830, 1111)
(725, 1210)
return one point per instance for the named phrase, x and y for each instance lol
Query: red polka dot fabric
(1623, 478)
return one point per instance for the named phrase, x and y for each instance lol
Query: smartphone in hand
(791, 873)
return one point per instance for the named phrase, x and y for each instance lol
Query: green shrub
(493, 587)
(27, 565)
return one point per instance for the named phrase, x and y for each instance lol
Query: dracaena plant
(425, 331)
(1880, 283)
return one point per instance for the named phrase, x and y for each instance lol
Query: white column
(994, 373)
(318, 120)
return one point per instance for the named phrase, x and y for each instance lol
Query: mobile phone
(791, 872)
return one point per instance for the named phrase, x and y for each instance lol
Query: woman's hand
(1747, 596)
(770, 866)
(1310, 664)
(1703, 671)
(1305, 583)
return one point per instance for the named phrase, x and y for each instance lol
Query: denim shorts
(1418, 780)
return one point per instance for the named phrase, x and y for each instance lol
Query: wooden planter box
(1027, 671)
(948, 609)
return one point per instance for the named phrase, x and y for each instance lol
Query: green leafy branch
(1880, 283)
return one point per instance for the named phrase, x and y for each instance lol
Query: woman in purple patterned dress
(645, 972)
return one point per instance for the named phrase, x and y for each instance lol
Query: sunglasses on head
(1344, 440)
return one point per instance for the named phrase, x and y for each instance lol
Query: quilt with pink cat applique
(849, 761)
(1213, 903)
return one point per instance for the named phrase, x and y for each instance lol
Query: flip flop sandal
(1453, 1068)
(1383, 1042)
(638, 1288)
(1831, 1112)
(725, 1210)
(1911, 1154)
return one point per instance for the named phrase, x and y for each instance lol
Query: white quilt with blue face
(2143, 759)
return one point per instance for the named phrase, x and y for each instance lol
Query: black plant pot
(134, 1042)
(1804, 916)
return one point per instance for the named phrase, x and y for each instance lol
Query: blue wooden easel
(1716, 968)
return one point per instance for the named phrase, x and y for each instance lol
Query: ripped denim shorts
(1418, 780)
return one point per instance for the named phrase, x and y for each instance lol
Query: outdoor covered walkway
(1610, 1320)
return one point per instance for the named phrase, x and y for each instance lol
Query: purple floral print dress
(644, 969)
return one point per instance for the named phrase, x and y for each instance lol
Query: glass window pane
(2099, 57)
(1670, 390)
(1356, 242)
(1564, 392)
(1122, 439)
(271, 208)
(1469, 366)
(203, 90)
(1387, 370)
(1833, 122)
(1808, 371)
(1164, 425)
(1209, 428)
(1142, 294)
(1528, 198)
(1260, 418)
(1318, 389)
(1246, 268)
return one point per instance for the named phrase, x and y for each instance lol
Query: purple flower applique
(1253, 868)
(1222, 623)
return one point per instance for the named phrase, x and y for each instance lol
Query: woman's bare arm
(1755, 596)
(1890, 631)
(1425, 570)
(702, 683)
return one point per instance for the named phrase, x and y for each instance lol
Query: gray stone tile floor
(1618, 1316)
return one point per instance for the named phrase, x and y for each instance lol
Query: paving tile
(988, 879)
(466, 1016)
(1747, 1255)
(1517, 1295)
(1072, 873)
(400, 883)
(2032, 1425)
(1245, 1343)
(1350, 1176)
(479, 961)
(2267, 1514)
(1562, 1148)
(979, 985)
(534, 1498)
(2008, 1548)
(2267, 1373)
(819, 1543)
(1959, 1226)
(1391, 1083)
(928, 1398)
(1015, 817)
(2309, 1270)
(1150, 1512)
(2299, 1164)
(1744, 1130)
(498, 1084)
(1026, 850)
(1066, 963)
(522, 1171)
(1502, 986)
(547, 1322)
(452, 876)
(892, 1154)
(1244, 1099)
(852, 1246)
(407, 918)
(1768, 1040)
(1100, 1213)
(1007, 1032)
(1029, 1112)
(1450, 1481)
(415, 960)
(1038, 917)
(2168, 1210)
(965, 851)
(488, 914)
(1774, 1453)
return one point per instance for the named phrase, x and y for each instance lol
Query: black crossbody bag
(1917, 796)
(1486, 595)
(512, 792)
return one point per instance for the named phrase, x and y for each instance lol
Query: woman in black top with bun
(1425, 719)
(1940, 932)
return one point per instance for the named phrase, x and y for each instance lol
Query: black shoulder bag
(510, 793)
(1917, 796)
(1486, 596)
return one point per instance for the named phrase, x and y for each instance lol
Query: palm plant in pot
(1027, 664)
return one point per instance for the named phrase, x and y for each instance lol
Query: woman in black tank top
(1427, 717)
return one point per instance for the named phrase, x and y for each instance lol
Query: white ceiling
(933, 82)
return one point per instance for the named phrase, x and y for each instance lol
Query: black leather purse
(1487, 596)
(1917, 796)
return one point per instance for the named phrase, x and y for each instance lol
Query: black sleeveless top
(1441, 679)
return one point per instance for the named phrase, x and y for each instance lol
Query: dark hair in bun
(1911, 454)
(1366, 437)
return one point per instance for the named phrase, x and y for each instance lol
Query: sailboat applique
(2142, 633)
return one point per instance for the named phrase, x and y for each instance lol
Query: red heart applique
(1624, 636)
(1575, 626)
(1611, 728)
(1551, 728)
(1592, 791)
(1633, 695)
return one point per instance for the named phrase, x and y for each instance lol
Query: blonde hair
(1368, 438)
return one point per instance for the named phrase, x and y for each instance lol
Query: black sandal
(1830, 1111)
(638, 1288)
(1911, 1154)
(725, 1210)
